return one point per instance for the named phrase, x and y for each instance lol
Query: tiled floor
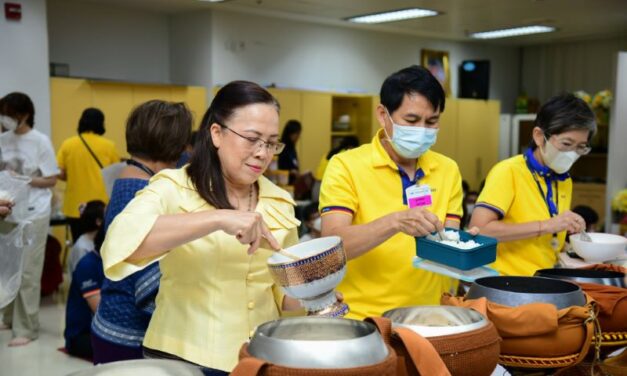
(41, 357)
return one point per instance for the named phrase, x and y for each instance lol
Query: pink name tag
(418, 195)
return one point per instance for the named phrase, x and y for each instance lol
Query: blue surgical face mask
(410, 141)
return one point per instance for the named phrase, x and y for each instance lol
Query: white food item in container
(5, 195)
(453, 240)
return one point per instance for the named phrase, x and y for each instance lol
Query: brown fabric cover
(534, 330)
(250, 366)
(611, 300)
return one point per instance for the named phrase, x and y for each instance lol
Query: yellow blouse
(212, 293)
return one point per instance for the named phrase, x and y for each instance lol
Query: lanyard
(552, 206)
(141, 166)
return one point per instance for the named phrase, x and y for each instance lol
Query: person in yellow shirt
(525, 202)
(80, 159)
(366, 192)
(347, 143)
(205, 224)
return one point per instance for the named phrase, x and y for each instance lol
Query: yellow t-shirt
(212, 294)
(511, 191)
(84, 179)
(366, 184)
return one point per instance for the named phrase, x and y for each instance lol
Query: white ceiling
(575, 19)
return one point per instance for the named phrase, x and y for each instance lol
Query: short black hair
(412, 80)
(310, 210)
(18, 104)
(93, 211)
(587, 213)
(92, 120)
(563, 113)
(158, 130)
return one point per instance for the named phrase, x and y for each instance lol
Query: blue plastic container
(464, 259)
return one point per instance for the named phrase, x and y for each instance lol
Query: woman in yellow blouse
(211, 226)
(526, 200)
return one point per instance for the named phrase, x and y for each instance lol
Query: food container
(313, 277)
(603, 247)
(465, 340)
(464, 259)
(319, 343)
(601, 277)
(517, 291)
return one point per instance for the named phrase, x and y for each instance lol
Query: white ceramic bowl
(312, 279)
(603, 247)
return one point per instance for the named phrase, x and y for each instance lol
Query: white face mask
(411, 142)
(8, 123)
(558, 161)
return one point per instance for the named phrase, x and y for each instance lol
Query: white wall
(103, 41)
(190, 50)
(616, 171)
(290, 53)
(24, 59)
(586, 65)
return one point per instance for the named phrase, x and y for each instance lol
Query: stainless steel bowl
(318, 342)
(601, 277)
(142, 367)
(516, 291)
(434, 321)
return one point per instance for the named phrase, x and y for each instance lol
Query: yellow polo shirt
(512, 193)
(212, 293)
(366, 184)
(84, 179)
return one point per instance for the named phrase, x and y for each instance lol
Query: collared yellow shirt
(366, 184)
(212, 293)
(511, 191)
(84, 179)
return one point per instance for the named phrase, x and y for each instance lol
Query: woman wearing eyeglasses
(205, 225)
(526, 200)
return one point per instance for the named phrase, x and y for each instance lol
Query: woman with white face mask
(526, 200)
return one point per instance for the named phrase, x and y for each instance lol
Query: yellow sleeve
(114, 157)
(61, 156)
(337, 192)
(322, 166)
(279, 295)
(454, 208)
(498, 192)
(132, 225)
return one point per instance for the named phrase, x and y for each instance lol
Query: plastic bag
(14, 235)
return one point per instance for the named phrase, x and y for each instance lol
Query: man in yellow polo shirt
(367, 193)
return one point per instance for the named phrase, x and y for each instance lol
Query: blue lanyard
(406, 183)
(140, 166)
(549, 176)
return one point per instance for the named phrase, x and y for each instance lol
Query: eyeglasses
(567, 145)
(257, 143)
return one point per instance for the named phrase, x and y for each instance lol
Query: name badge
(418, 195)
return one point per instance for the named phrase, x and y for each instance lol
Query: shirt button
(251, 305)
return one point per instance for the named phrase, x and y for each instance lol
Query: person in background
(92, 218)
(156, 135)
(81, 159)
(589, 215)
(380, 196)
(288, 159)
(5, 208)
(205, 224)
(83, 300)
(526, 199)
(347, 143)
(312, 222)
(187, 154)
(28, 152)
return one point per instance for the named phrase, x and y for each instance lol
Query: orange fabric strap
(422, 353)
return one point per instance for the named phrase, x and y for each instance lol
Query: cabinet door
(116, 101)
(478, 139)
(316, 136)
(291, 109)
(447, 141)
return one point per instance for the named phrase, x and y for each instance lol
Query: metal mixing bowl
(516, 291)
(318, 342)
(433, 321)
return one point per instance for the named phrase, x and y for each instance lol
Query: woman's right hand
(566, 221)
(248, 228)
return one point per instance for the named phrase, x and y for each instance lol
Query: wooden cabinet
(592, 195)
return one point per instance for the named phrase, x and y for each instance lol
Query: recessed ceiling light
(395, 15)
(513, 32)
(212, 1)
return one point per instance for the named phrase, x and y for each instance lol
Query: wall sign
(13, 11)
